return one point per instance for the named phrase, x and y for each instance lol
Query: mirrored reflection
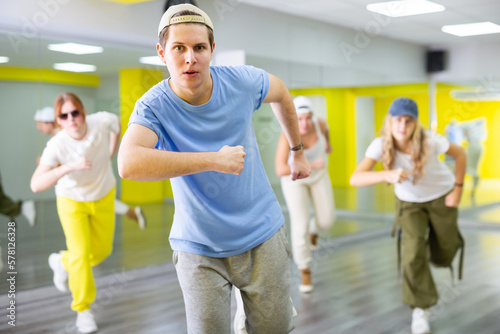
(29, 83)
(25, 87)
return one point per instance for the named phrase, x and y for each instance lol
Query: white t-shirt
(86, 185)
(437, 180)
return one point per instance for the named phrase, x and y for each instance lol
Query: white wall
(302, 52)
(476, 64)
(337, 56)
(275, 37)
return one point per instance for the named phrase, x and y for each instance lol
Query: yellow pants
(89, 229)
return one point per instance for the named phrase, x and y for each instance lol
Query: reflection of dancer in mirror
(474, 134)
(455, 135)
(77, 160)
(315, 190)
(45, 123)
(427, 196)
(12, 209)
(228, 229)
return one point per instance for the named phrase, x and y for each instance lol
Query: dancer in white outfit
(315, 190)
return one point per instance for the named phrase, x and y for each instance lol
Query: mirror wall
(340, 93)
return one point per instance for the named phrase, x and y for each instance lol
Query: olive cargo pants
(430, 234)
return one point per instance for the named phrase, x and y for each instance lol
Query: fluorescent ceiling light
(471, 29)
(74, 67)
(74, 48)
(4, 60)
(151, 60)
(405, 7)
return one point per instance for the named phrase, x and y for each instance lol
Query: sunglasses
(73, 113)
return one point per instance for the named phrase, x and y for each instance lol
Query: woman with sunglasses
(77, 160)
(45, 123)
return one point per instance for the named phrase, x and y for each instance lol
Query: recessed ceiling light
(405, 7)
(75, 48)
(151, 60)
(4, 59)
(472, 29)
(74, 67)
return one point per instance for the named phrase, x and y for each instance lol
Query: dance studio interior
(351, 62)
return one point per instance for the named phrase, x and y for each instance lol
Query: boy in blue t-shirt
(228, 226)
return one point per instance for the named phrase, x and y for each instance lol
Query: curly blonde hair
(419, 151)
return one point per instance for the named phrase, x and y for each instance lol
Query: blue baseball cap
(403, 106)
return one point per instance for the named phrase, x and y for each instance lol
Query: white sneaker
(305, 285)
(420, 321)
(28, 210)
(306, 288)
(85, 322)
(60, 274)
(140, 217)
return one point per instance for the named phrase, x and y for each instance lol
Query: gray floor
(357, 289)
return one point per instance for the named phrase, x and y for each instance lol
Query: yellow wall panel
(48, 75)
(133, 84)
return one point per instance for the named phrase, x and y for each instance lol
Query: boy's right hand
(232, 159)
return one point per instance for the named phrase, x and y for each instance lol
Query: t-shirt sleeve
(49, 156)
(115, 123)
(374, 151)
(109, 120)
(259, 79)
(143, 115)
(440, 143)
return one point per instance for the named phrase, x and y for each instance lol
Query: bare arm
(458, 153)
(46, 176)
(363, 175)
(281, 158)
(139, 160)
(282, 104)
(326, 132)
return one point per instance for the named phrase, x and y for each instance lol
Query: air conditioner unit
(478, 94)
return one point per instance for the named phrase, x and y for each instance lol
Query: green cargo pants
(430, 234)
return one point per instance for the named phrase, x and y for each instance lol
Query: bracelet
(298, 147)
(459, 184)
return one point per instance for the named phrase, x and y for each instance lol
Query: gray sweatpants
(263, 276)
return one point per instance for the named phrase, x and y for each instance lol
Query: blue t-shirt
(216, 214)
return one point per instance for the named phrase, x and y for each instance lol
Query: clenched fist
(81, 163)
(231, 159)
(397, 175)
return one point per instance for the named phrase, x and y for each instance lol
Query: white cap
(167, 19)
(45, 115)
(302, 105)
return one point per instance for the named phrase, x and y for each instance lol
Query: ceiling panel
(427, 27)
